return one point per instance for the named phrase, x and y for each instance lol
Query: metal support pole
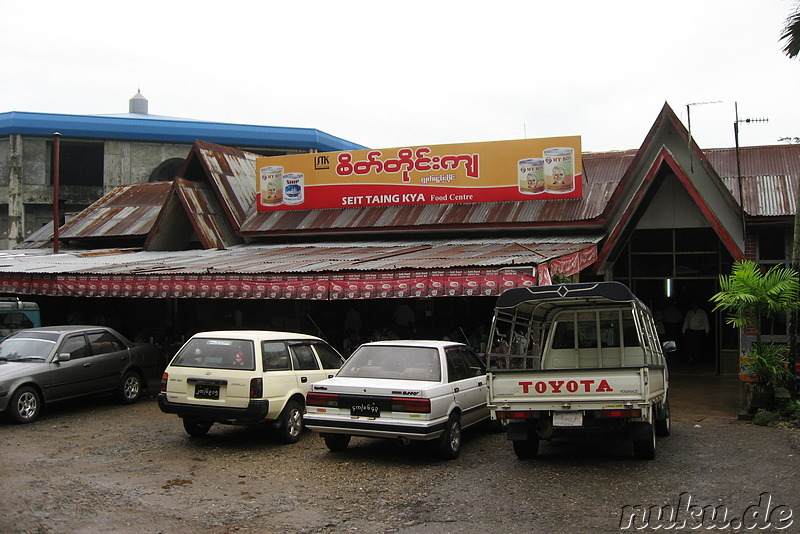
(56, 180)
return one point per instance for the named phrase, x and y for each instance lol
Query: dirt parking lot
(97, 467)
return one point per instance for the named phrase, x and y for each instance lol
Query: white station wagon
(406, 390)
(245, 378)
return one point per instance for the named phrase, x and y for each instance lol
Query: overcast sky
(387, 73)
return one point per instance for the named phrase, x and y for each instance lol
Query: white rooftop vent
(137, 104)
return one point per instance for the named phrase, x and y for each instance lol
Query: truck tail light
(164, 380)
(621, 413)
(527, 414)
(403, 404)
(329, 400)
(256, 388)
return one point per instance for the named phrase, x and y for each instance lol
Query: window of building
(81, 163)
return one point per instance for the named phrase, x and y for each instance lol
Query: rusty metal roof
(299, 258)
(125, 211)
(769, 177)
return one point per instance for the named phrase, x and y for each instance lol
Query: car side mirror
(669, 346)
(63, 357)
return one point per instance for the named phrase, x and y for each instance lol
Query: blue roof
(143, 127)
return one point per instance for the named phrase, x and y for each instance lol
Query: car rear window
(393, 362)
(214, 353)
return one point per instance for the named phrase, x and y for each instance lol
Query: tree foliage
(791, 34)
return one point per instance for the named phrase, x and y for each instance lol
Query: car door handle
(455, 390)
(480, 383)
(87, 364)
(303, 379)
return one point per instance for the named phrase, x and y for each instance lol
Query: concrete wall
(31, 195)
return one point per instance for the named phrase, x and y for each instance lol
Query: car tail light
(256, 388)
(403, 404)
(330, 400)
(621, 413)
(164, 379)
(515, 415)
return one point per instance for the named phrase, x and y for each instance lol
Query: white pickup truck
(577, 357)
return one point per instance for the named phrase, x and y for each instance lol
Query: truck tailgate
(581, 388)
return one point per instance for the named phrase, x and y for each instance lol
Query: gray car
(43, 365)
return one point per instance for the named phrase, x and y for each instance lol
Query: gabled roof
(192, 212)
(124, 212)
(668, 149)
(144, 127)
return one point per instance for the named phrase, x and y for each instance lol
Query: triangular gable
(230, 173)
(191, 212)
(668, 148)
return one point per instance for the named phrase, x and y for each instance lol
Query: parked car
(405, 390)
(245, 378)
(39, 366)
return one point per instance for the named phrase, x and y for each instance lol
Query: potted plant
(749, 295)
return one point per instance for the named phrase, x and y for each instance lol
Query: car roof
(270, 335)
(427, 343)
(64, 329)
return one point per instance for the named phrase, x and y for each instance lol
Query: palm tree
(749, 294)
(791, 34)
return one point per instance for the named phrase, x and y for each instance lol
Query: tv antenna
(689, 124)
(738, 160)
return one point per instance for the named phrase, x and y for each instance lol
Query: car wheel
(291, 423)
(450, 444)
(25, 405)
(337, 442)
(130, 387)
(195, 427)
(644, 441)
(663, 423)
(526, 448)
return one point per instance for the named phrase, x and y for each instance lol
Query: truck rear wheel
(644, 440)
(526, 448)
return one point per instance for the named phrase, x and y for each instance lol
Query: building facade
(101, 152)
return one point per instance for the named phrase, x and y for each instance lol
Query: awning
(309, 271)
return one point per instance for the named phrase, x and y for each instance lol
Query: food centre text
(527, 169)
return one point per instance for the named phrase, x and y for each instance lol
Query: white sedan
(406, 390)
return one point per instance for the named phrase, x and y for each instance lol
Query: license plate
(567, 419)
(206, 392)
(366, 409)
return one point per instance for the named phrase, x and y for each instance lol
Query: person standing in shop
(695, 331)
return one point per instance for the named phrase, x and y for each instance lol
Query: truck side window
(629, 335)
(564, 337)
(587, 331)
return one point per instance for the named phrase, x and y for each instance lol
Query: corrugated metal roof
(125, 211)
(769, 177)
(143, 127)
(302, 258)
(232, 174)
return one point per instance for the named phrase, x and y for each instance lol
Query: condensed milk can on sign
(270, 185)
(293, 188)
(559, 169)
(531, 175)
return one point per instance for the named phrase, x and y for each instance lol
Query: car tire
(25, 405)
(644, 441)
(196, 427)
(526, 448)
(337, 442)
(450, 442)
(291, 422)
(130, 388)
(663, 422)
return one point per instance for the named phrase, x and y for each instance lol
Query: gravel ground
(97, 467)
